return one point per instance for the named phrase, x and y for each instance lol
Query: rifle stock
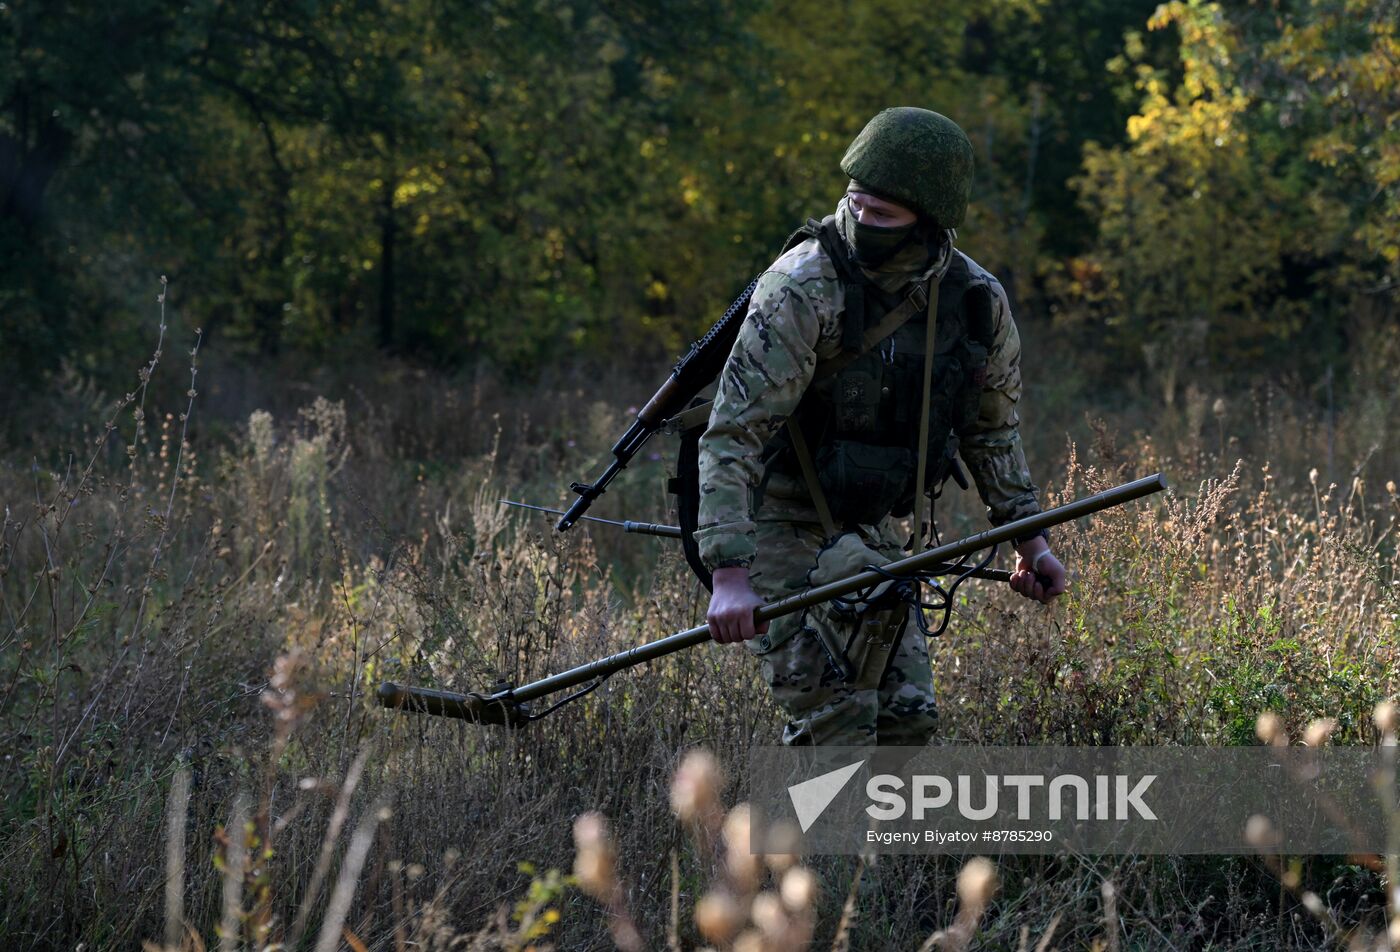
(507, 706)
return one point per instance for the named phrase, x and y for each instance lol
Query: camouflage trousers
(890, 700)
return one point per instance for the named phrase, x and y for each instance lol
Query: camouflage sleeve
(762, 381)
(991, 447)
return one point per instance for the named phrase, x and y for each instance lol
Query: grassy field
(202, 581)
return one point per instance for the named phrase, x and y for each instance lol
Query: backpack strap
(852, 278)
(812, 229)
(916, 299)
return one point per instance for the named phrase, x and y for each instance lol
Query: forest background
(428, 252)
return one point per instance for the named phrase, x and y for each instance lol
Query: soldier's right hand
(732, 605)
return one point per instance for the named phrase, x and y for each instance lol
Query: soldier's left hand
(1040, 577)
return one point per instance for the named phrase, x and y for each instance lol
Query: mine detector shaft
(508, 705)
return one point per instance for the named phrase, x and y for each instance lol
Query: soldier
(817, 439)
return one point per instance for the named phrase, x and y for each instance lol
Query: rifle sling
(930, 332)
(809, 475)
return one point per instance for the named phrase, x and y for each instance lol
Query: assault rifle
(507, 705)
(700, 365)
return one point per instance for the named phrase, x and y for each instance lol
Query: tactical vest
(862, 422)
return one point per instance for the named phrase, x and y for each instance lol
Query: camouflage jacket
(793, 322)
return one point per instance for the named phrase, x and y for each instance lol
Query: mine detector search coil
(507, 705)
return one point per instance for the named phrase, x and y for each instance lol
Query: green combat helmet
(915, 157)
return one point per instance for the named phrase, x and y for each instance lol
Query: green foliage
(1191, 191)
(1254, 202)
(1256, 670)
(534, 914)
(499, 183)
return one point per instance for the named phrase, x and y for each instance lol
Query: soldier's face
(870, 210)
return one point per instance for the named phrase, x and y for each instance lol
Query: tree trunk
(388, 236)
(25, 174)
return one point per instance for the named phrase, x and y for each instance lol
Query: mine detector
(928, 578)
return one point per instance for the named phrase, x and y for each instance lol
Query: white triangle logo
(811, 797)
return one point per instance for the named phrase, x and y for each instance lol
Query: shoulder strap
(811, 229)
(852, 279)
(915, 300)
(922, 465)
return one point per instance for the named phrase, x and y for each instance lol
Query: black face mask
(874, 244)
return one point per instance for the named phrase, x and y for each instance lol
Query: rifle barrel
(911, 565)
(652, 528)
(626, 525)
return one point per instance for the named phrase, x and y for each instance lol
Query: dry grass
(187, 644)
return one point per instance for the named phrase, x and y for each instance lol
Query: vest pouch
(863, 482)
(856, 400)
(940, 467)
